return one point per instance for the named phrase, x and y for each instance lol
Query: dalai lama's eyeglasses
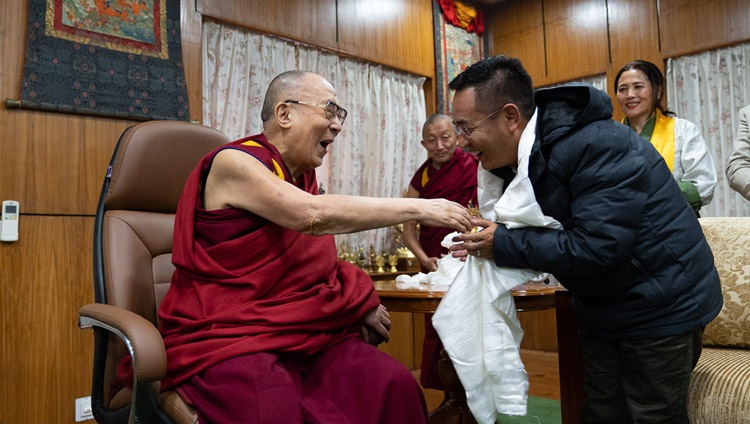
(331, 109)
(466, 131)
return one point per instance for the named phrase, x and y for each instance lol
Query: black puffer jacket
(632, 251)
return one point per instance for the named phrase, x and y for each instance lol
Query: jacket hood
(566, 108)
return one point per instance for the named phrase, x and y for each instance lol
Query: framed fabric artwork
(456, 49)
(100, 57)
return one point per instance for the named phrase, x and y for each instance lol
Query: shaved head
(281, 89)
(435, 118)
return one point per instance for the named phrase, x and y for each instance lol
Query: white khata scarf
(476, 319)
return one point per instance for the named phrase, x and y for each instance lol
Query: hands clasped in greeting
(478, 244)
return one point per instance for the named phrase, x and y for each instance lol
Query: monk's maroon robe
(247, 293)
(456, 181)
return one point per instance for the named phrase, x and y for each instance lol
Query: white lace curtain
(378, 149)
(709, 89)
(598, 81)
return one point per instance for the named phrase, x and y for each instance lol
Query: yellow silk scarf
(663, 138)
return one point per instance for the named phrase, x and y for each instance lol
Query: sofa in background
(720, 386)
(719, 390)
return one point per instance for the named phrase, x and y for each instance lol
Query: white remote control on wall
(9, 222)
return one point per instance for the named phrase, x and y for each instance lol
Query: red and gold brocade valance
(462, 15)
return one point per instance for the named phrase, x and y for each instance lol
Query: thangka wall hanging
(102, 57)
(458, 44)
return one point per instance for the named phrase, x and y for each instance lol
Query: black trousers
(638, 381)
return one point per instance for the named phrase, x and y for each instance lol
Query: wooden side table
(528, 297)
(454, 410)
(379, 276)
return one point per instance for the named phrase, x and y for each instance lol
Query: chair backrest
(134, 224)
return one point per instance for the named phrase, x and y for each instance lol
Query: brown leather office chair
(133, 268)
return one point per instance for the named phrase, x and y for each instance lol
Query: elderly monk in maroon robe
(262, 324)
(448, 173)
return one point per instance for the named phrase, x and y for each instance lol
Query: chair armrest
(141, 337)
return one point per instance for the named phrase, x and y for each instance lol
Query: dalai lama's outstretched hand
(444, 213)
(376, 325)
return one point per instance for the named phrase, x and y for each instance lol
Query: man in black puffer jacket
(631, 252)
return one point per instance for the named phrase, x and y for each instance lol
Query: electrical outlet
(83, 409)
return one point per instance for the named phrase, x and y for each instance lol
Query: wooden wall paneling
(12, 28)
(12, 34)
(192, 57)
(313, 22)
(516, 28)
(691, 26)
(397, 33)
(430, 96)
(630, 42)
(46, 360)
(577, 41)
(50, 161)
(59, 160)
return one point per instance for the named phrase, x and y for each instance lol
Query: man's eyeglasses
(466, 131)
(331, 109)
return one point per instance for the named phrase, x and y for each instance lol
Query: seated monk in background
(448, 173)
(262, 323)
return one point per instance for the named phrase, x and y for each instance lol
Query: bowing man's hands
(376, 325)
(478, 243)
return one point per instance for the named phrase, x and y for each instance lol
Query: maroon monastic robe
(245, 285)
(456, 181)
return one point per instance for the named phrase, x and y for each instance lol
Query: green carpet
(539, 411)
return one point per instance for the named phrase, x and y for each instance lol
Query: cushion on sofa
(729, 239)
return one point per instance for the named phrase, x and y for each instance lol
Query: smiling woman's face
(636, 95)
